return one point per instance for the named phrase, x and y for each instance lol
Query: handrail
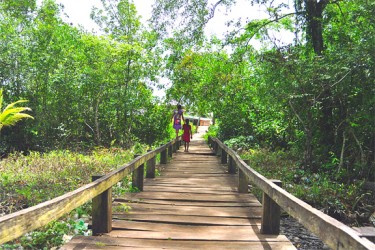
(332, 232)
(21, 222)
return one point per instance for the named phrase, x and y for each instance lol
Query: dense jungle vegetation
(303, 112)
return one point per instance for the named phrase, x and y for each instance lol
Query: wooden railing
(332, 232)
(19, 223)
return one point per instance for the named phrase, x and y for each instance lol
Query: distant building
(198, 121)
(204, 121)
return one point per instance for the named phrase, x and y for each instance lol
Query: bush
(344, 201)
(241, 143)
(212, 132)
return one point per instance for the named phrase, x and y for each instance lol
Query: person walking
(187, 135)
(178, 116)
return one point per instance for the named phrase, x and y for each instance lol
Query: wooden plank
(187, 219)
(105, 242)
(175, 189)
(231, 212)
(157, 227)
(195, 171)
(189, 175)
(192, 197)
(367, 232)
(187, 189)
(191, 203)
(236, 234)
(221, 181)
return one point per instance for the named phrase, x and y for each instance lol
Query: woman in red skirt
(187, 134)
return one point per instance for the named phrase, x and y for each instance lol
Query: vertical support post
(271, 214)
(231, 166)
(150, 171)
(170, 150)
(138, 176)
(218, 150)
(174, 146)
(163, 157)
(102, 211)
(242, 182)
(224, 158)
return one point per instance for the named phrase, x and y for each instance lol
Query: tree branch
(212, 13)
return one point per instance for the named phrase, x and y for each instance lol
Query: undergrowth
(29, 180)
(347, 202)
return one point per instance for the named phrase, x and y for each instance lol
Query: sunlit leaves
(12, 114)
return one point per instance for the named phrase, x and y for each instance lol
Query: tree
(134, 62)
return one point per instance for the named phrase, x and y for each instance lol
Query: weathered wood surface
(193, 204)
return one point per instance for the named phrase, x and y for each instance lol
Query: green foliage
(212, 132)
(85, 90)
(341, 200)
(51, 236)
(11, 114)
(314, 100)
(241, 142)
(37, 177)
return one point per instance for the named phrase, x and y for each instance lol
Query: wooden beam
(138, 176)
(150, 172)
(224, 158)
(271, 214)
(163, 157)
(243, 183)
(102, 211)
(231, 166)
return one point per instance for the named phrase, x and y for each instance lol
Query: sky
(79, 13)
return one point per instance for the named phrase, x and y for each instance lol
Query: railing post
(170, 154)
(231, 165)
(101, 211)
(224, 158)
(150, 171)
(163, 156)
(242, 182)
(138, 176)
(215, 147)
(271, 214)
(218, 150)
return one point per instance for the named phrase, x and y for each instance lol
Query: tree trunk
(314, 12)
(308, 154)
(96, 118)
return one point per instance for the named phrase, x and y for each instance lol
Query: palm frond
(11, 114)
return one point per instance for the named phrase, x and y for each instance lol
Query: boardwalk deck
(193, 204)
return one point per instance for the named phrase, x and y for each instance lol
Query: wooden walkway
(193, 204)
